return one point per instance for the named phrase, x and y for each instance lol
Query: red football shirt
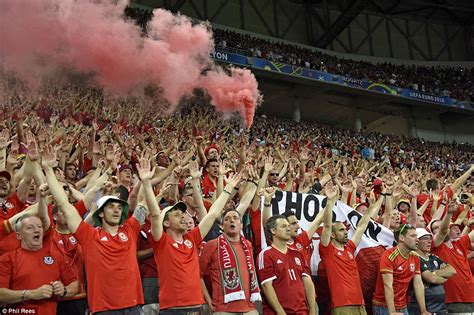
(460, 287)
(286, 271)
(67, 245)
(178, 269)
(24, 269)
(111, 263)
(304, 245)
(403, 270)
(207, 185)
(10, 206)
(209, 262)
(343, 275)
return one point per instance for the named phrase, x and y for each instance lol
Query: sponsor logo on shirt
(279, 261)
(48, 260)
(73, 240)
(188, 243)
(339, 254)
(61, 242)
(412, 267)
(104, 239)
(123, 237)
(350, 255)
(297, 261)
(400, 268)
(459, 251)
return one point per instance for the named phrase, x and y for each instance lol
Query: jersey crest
(188, 243)
(48, 260)
(123, 237)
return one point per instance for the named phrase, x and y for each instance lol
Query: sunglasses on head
(405, 227)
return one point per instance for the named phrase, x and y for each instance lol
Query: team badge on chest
(48, 260)
(123, 237)
(412, 267)
(73, 240)
(299, 246)
(188, 244)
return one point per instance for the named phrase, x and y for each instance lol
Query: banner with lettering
(307, 206)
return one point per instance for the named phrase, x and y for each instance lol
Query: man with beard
(338, 255)
(227, 262)
(459, 288)
(284, 275)
(398, 266)
(434, 273)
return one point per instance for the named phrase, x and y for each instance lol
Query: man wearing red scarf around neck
(228, 262)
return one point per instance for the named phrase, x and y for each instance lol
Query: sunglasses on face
(274, 174)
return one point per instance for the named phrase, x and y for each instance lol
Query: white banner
(307, 206)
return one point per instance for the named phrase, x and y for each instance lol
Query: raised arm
(268, 194)
(364, 221)
(73, 218)
(331, 193)
(443, 231)
(218, 205)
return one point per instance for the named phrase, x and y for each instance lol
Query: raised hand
(144, 171)
(5, 139)
(268, 166)
(43, 190)
(234, 180)
(194, 169)
(269, 192)
(48, 157)
(33, 152)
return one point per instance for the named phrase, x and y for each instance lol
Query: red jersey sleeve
(386, 265)
(205, 258)
(306, 270)
(266, 268)
(303, 239)
(133, 225)
(84, 233)
(194, 236)
(351, 246)
(465, 242)
(417, 265)
(6, 271)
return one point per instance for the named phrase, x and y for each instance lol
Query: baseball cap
(6, 174)
(422, 232)
(101, 204)
(124, 167)
(179, 205)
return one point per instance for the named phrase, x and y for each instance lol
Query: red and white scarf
(229, 270)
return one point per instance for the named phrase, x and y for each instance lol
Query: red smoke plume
(88, 36)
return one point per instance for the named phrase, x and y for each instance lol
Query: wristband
(23, 294)
(251, 181)
(65, 292)
(226, 191)
(267, 204)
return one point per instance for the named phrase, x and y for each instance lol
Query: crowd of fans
(106, 205)
(454, 82)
